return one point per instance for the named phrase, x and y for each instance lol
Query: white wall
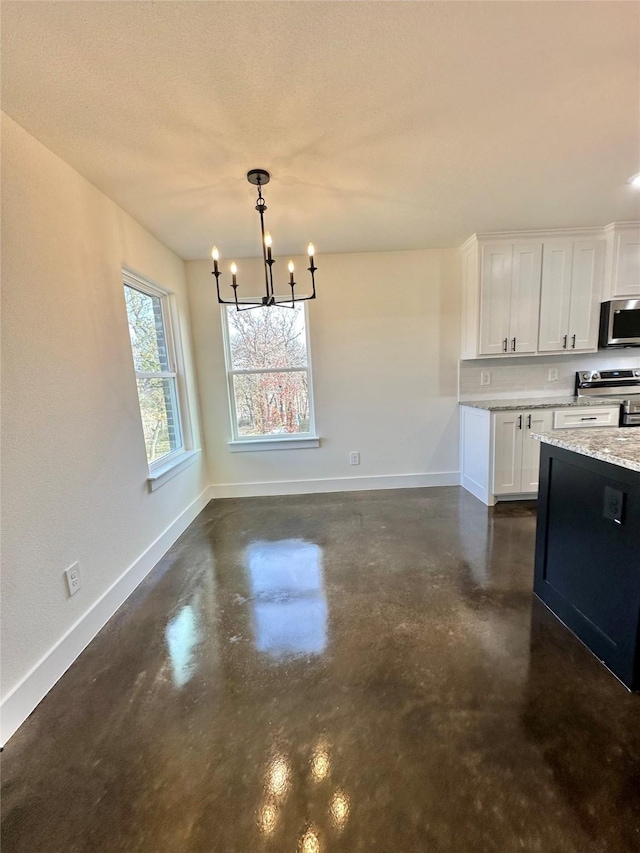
(385, 341)
(74, 470)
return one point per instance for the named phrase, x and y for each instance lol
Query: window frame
(175, 360)
(276, 441)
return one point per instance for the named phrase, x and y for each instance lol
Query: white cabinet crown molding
(538, 234)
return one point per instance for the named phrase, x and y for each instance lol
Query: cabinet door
(626, 275)
(525, 297)
(587, 271)
(507, 452)
(538, 420)
(495, 296)
(555, 299)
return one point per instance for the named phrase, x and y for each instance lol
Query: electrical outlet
(74, 581)
(485, 377)
(354, 458)
(553, 374)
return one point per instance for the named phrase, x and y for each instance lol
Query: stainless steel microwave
(620, 323)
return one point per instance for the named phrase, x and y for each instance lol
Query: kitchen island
(587, 568)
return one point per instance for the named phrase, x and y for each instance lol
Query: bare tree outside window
(155, 373)
(269, 371)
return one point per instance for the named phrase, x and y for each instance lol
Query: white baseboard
(27, 694)
(334, 484)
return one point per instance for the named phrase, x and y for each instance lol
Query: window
(154, 359)
(267, 355)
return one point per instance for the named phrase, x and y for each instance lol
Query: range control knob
(595, 375)
(586, 375)
(636, 372)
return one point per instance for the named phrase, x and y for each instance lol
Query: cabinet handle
(593, 418)
(519, 421)
(564, 345)
(504, 345)
(529, 422)
(513, 344)
(573, 342)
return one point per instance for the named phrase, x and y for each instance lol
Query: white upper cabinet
(538, 292)
(525, 297)
(495, 298)
(570, 295)
(509, 297)
(587, 272)
(555, 295)
(623, 260)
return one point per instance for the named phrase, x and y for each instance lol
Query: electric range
(621, 384)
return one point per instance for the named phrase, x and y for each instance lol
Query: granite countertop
(610, 444)
(540, 403)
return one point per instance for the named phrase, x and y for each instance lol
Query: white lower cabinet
(498, 455)
(516, 457)
(507, 452)
(578, 417)
(539, 420)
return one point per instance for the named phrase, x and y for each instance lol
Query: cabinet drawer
(586, 416)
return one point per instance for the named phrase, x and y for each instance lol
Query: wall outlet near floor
(354, 458)
(74, 581)
(485, 377)
(553, 374)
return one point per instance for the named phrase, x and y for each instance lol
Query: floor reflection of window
(183, 634)
(290, 609)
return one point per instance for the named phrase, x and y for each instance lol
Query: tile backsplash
(528, 376)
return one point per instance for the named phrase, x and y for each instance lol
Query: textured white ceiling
(386, 125)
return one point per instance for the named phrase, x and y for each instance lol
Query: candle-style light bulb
(234, 270)
(215, 254)
(291, 269)
(310, 250)
(268, 242)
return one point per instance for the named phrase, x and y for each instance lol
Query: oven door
(630, 413)
(620, 323)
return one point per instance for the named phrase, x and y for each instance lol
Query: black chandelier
(260, 177)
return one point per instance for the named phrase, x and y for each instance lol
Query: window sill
(161, 475)
(293, 443)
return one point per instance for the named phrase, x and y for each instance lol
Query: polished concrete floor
(345, 672)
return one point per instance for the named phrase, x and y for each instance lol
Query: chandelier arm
(312, 270)
(270, 264)
(233, 301)
(248, 306)
(217, 275)
(295, 301)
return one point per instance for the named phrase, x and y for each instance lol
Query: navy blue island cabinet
(587, 565)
